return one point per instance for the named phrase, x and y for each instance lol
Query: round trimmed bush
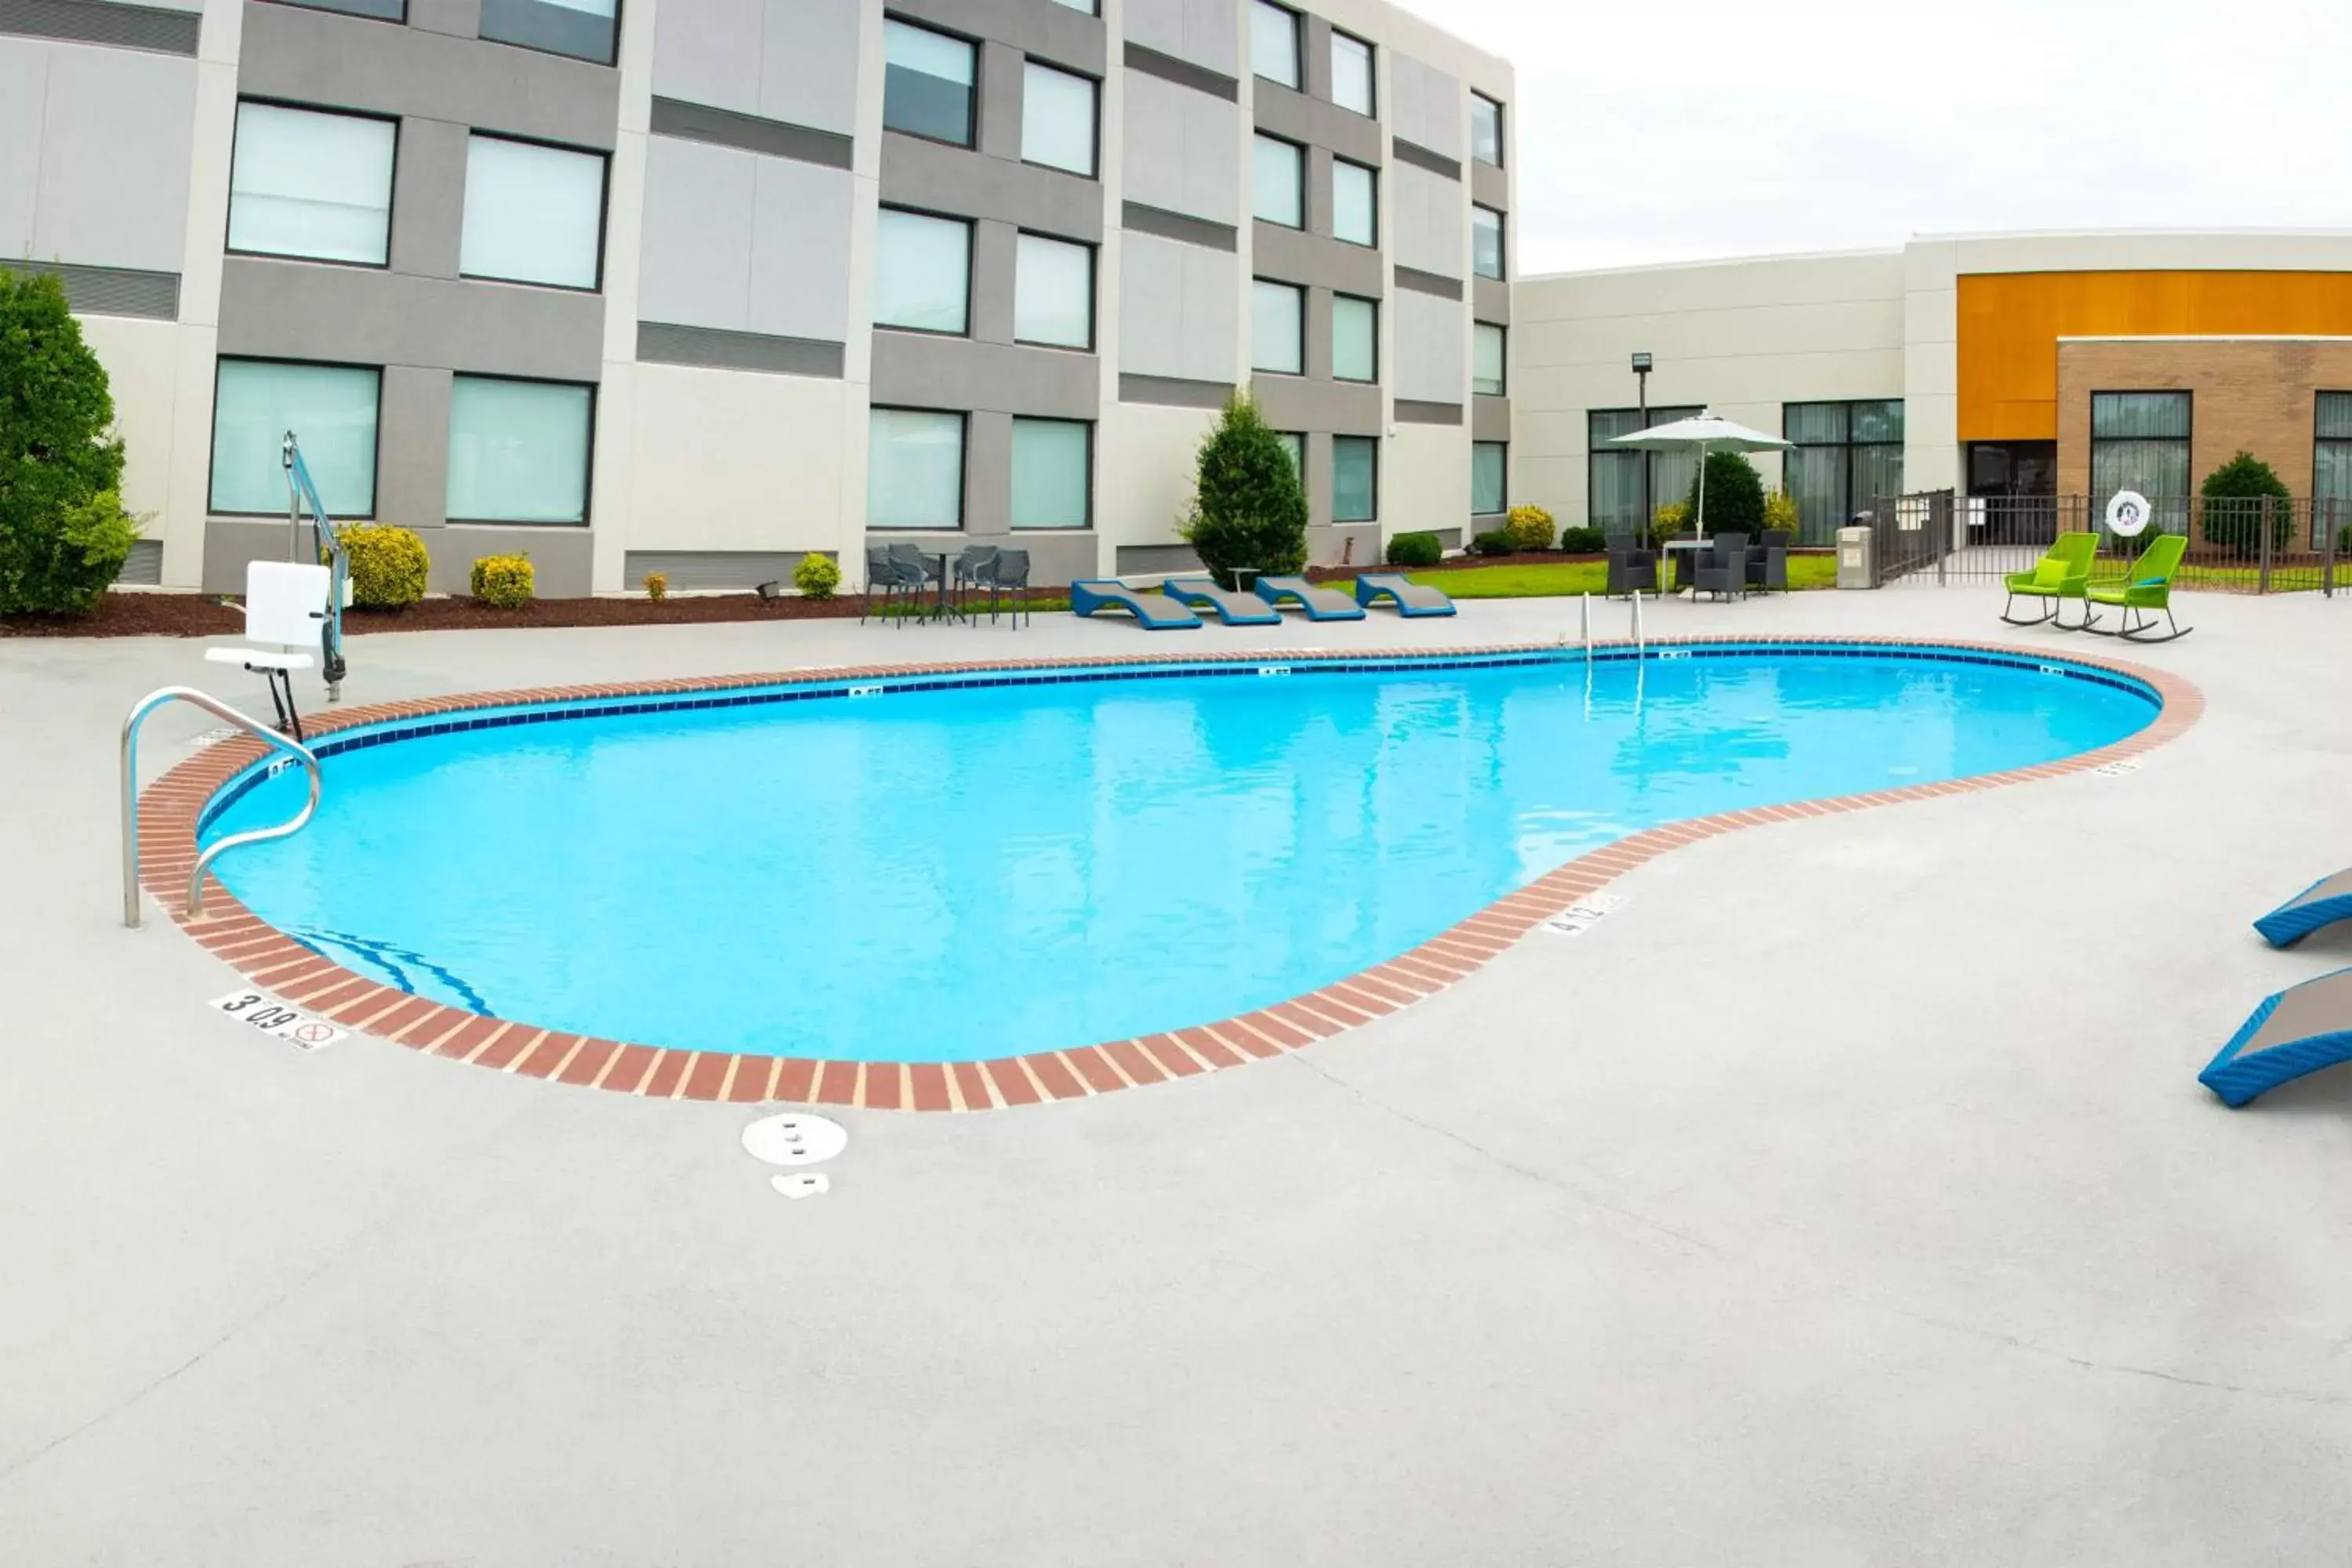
(1415, 550)
(504, 582)
(1495, 542)
(388, 566)
(1531, 528)
(2232, 514)
(818, 577)
(1583, 540)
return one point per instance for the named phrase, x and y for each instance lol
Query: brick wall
(2252, 395)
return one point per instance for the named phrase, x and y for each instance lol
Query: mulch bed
(203, 616)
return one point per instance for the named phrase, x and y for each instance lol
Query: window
(1057, 119)
(1053, 293)
(926, 82)
(1274, 43)
(1351, 73)
(1847, 457)
(2139, 441)
(1614, 495)
(1295, 443)
(1486, 242)
(331, 408)
(1355, 338)
(1488, 464)
(1086, 6)
(1485, 130)
(584, 29)
(1355, 479)
(382, 10)
(914, 470)
(2331, 466)
(518, 451)
(1277, 315)
(1486, 378)
(311, 184)
(922, 272)
(1053, 470)
(533, 213)
(1355, 204)
(1280, 182)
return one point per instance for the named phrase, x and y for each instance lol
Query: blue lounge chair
(1321, 603)
(1234, 609)
(1155, 612)
(1412, 600)
(2302, 1029)
(2323, 902)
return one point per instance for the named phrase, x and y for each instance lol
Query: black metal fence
(2258, 546)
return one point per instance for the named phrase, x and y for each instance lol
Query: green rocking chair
(2145, 589)
(2064, 573)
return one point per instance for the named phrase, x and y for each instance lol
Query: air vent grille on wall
(104, 22)
(111, 290)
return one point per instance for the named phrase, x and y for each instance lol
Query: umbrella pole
(1698, 523)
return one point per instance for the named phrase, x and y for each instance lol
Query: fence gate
(2297, 545)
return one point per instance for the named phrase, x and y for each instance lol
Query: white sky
(1681, 128)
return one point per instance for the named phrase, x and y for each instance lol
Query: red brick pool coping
(169, 808)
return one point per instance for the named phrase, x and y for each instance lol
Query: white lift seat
(285, 604)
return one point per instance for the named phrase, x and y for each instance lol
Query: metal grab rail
(324, 542)
(1584, 625)
(219, 709)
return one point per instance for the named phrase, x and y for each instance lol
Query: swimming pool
(956, 867)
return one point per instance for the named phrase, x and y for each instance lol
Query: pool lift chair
(295, 606)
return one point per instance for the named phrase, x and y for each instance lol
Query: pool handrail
(245, 721)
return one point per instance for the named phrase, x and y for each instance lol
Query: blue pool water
(957, 874)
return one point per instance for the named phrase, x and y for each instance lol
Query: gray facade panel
(428, 199)
(1177, 226)
(1147, 560)
(1297, 117)
(1294, 256)
(291, 310)
(1409, 411)
(1055, 558)
(1202, 32)
(312, 56)
(457, 18)
(1053, 33)
(1490, 418)
(1173, 392)
(101, 150)
(661, 343)
(111, 290)
(965, 184)
(913, 369)
(698, 122)
(1318, 406)
(103, 22)
(1490, 300)
(412, 456)
(1421, 157)
(560, 557)
(1428, 283)
(1490, 187)
(690, 569)
(1184, 73)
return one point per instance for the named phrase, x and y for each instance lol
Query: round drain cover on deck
(795, 1138)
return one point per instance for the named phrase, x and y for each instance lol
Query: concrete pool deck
(1845, 1196)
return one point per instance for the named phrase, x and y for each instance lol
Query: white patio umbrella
(1703, 432)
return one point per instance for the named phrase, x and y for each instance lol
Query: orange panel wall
(2011, 323)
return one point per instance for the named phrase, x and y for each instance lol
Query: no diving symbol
(310, 1036)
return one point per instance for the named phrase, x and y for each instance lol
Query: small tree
(1735, 496)
(2230, 501)
(63, 533)
(1248, 509)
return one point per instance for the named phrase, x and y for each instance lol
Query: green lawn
(1573, 577)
